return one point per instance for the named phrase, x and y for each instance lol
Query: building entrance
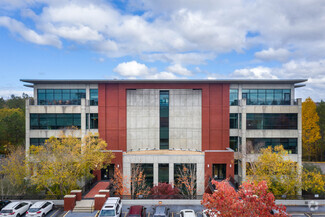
(219, 171)
(108, 172)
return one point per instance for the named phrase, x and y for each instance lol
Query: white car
(112, 207)
(15, 209)
(40, 209)
(187, 213)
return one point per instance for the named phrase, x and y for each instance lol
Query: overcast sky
(97, 39)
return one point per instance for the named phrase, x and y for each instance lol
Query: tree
(117, 182)
(280, 173)
(14, 172)
(63, 161)
(163, 191)
(310, 130)
(250, 200)
(321, 113)
(12, 128)
(186, 181)
(139, 185)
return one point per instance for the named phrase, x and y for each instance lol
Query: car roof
(160, 210)
(38, 204)
(135, 210)
(11, 205)
(187, 210)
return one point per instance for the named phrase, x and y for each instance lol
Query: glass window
(254, 145)
(92, 121)
(60, 96)
(252, 97)
(179, 168)
(164, 119)
(233, 96)
(147, 170)
(261, 97)
(93, 96)
(163, 173)
(54, 121)
(41, 98)
(267, 96)
(271, 121)
(233, 121)
(37, 141)
(233, 143)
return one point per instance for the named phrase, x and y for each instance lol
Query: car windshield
(107, 212)
(6, 211)
(34, 209)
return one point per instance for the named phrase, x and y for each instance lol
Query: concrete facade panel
(271, 133)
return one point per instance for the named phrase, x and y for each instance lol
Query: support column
(171, 174)
(243, 139)
(299, 159)
(155, 174)
(127, 174)
(83, 118)
(200, 177)
(27, 127)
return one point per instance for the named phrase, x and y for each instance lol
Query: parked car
(137, 211)
(15, 209)
(40, 209)
(112, 207)
(187, 213)
(4, 203)
(206, 213)
(161, 211)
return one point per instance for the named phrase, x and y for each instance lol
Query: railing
(159, 197)
(32, 197)
(88, 186)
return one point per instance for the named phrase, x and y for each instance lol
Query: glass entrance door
(219, 171)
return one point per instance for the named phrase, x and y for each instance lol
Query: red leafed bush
(250, 200)
(163, 191)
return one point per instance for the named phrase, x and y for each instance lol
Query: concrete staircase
(84, 206)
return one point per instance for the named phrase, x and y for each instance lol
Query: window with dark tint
(180, 168)
(54, 121)
(37, 141)
(60, 96)
(164, 119)
(271, 121)
(147, 170)
(254, 145)
(234, 142)
(93, 96)
(163, 173)
(234, 121)
(236, 167)
(267, 96)
(233, 96)
(92, 121)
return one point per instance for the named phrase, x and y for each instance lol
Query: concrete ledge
(299, 202)
(144, 202)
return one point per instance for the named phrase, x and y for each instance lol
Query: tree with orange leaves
(139, 185)
(250, 200)
(117, 181)
(186, 181)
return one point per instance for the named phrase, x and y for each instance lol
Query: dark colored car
(161, 211)
(4, 203)
(137, 211)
